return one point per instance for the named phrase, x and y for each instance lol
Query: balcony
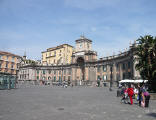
(51, 56)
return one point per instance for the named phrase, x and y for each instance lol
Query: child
(125, 96)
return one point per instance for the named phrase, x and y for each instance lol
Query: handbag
(142, 104)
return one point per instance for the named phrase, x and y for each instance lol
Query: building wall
(84, 68)
(122, 68)
(57, 55)
(9, 62)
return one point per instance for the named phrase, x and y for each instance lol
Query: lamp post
(110, 88)
(62, 74)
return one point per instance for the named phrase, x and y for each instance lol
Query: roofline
(57, 47)
(85, 39)
(9, 54)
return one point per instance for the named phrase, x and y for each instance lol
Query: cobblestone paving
(77, 103)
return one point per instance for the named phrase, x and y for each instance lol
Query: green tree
(146, 59)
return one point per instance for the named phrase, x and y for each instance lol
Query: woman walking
(130, 93)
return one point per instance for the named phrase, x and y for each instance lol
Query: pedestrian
(125, 95)
(139, 94)
(146, 97)
(136, 93)
(130, 93)
(98, 82)
(142, 100)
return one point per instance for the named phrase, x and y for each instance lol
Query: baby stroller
(125, 98)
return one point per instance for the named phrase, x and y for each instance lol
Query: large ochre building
(9, 66)
(84, 67)
(57, 55)
(9, 62)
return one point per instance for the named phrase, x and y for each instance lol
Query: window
(117, 66)
(123, 66)
(68, 78)
(80, 45)
(43, 71)
(104, 68)
(37, 77)
(12, 65)
(60, 80)
(54, 71)
(37, 71)
(104, 77)
(124, 76)
(64, 71)
(69, 71)
(13, 59)
(0, 57)
(0, 65)
(129, 65)
(54, 78)
(98, 68)
(60, 72)
(88, 45)
(49, 71)
(6, 65)
(64, 78)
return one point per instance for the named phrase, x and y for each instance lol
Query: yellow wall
(11, 62)
(58, 55)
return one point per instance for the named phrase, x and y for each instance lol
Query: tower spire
(82, 36)
(24, 57)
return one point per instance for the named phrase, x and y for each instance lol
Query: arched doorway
(80, 61)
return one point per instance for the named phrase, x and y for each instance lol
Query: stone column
(121, 72)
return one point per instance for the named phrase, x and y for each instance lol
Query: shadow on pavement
(152, 114)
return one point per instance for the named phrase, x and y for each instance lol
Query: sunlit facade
(57, 55)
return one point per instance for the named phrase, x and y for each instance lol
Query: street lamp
(110, 88)
(62, 73)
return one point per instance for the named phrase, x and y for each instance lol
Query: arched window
(49, 78)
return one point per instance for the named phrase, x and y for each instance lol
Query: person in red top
(130, 93)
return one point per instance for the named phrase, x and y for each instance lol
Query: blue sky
(35, 25)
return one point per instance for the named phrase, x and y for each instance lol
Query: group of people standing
(138, 92)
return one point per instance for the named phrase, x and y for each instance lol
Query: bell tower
(84, 55)
(84, 50)
(83, 44)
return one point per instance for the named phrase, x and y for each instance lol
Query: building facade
(86, 69)
(57, 55)
(9, 66)
(9, 62)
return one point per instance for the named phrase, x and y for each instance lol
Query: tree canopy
(146, 59)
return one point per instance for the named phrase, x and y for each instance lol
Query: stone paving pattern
(77, 103)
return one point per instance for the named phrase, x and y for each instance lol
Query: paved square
(77, 103)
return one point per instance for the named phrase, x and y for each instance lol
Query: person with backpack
(130, 93)
(146, 98)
